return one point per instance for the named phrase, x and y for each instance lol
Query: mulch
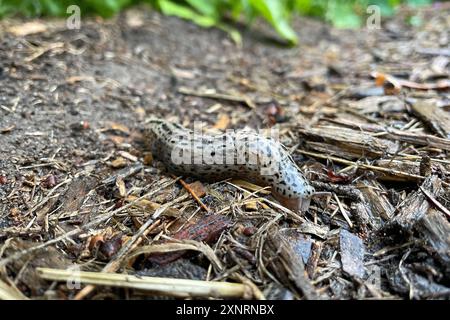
(364, 113)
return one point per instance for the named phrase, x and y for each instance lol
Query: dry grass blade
(9, 293)
(400, 174)
(435, 202)
(183, 245)
(181, 288)
(99, 219)
(344, 213)
(250, 186)
(220, 96)
(291, 213)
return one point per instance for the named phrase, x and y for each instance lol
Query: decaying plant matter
(86, 210)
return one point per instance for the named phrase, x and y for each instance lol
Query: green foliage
(276, 12)
(32, 8)
(217, 13)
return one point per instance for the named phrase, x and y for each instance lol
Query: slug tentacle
(241, 154)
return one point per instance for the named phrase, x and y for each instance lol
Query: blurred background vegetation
(221, 13)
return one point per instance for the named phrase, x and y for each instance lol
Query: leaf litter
(79, 189)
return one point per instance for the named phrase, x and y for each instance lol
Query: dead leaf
(198, 188)
(3, 180)
(49, 182)
(380, 79)
(152, 206)
(251, 205)
(222, 122)
(140, 112)
(95, 240)
(148, 158)
(352, 254)
(118, 163)
(117, 140)
(337, 178)
(111, 246)
(390, 84)
(119, 127)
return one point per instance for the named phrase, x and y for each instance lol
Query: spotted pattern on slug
(243, 154)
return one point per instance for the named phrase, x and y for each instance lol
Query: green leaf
(237, 7)
(172, 9)
(415, 21)
(107, 8)
(387, 7)
(234, 34)
(205, 7)
(303, 6)
(6, 8)
(342, 15)
(418, 3)
(53, 8)
(274, 12)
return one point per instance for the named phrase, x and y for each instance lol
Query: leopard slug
(237, 154)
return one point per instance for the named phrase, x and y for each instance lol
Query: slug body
(242, 154)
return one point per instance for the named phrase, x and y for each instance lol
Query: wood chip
(436, 230)
(287, 266)
(352, 254)
(436, 118)
(416, 205)
(346, 143)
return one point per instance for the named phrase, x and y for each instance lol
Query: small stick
(221, 96)
(8, 292)
(434, 200)
(362, 165)
(192, 192)
(255, 290)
